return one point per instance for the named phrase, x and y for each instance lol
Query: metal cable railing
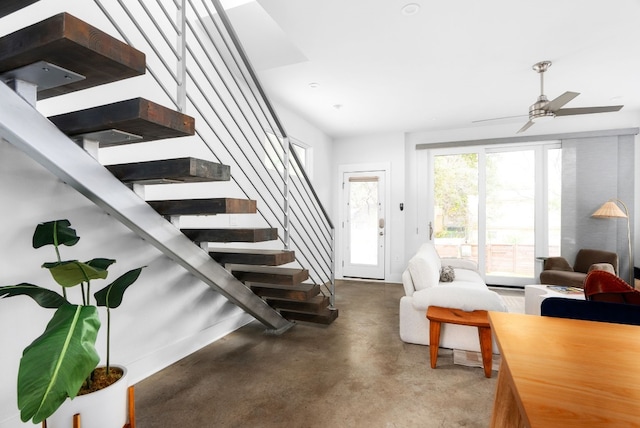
(235, 121)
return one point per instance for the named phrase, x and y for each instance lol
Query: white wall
(166, 315)
(374, 149)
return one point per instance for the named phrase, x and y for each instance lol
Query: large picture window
(499, 206)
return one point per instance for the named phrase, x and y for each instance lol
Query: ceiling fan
(545, 109)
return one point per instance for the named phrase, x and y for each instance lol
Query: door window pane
(456, 205)
(510, 218)
(363, 224)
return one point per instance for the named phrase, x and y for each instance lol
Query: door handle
(430, 231)
(381, 223)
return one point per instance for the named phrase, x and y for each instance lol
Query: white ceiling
(452, 63)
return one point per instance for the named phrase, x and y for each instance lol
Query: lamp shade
(609, 210)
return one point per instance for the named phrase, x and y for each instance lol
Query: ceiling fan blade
(555, 104)
(525, 127)
(586, 110)
(499, 118)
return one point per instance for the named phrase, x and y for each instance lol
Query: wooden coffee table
(437, 315)
(534, 295)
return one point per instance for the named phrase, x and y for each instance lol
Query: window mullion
(482, 212)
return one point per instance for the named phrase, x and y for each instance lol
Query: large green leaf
(72, 272)
(57, 232)
(43, 296)
(54, 366)
(111, 295)
(100, 263)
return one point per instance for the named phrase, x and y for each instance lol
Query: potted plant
(63, 359)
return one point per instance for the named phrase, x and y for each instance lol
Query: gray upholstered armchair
(558, 271)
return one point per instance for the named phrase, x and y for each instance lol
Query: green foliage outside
(455, 178)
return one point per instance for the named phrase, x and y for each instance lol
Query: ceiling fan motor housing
(539, 110)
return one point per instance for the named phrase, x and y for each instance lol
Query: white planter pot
(106, 408)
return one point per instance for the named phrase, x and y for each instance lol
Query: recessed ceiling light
(337, 106)
(410, 9)
(313, 85)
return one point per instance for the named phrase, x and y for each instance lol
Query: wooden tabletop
(570, 373)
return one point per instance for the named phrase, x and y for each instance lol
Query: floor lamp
(610, 209)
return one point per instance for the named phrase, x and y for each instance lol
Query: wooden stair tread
(316, 304)
(269, 274)
(326, 317)
(137, 116)
(182, 170)
(204, 206)
(232, 234)
(300, 292)
(9, 6)
(252, 257)
(71, 43)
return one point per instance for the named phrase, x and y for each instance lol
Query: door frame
(385, 169)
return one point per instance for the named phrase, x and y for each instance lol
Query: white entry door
(364, 225)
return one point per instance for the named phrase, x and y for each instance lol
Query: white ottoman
(536, 293)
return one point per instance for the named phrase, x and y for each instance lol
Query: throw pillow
(424, 271)
(424, 267)
(602, 266)
(447, 274)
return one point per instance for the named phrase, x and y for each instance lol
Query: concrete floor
(354, 373)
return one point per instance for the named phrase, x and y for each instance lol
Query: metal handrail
(156, 77)
(245, 60)
(289, 150)
(312, 189)
(243, 136)
(270, 110)
(124, 36)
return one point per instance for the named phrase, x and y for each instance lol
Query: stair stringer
(29, 131)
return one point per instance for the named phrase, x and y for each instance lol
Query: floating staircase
(81, 56)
